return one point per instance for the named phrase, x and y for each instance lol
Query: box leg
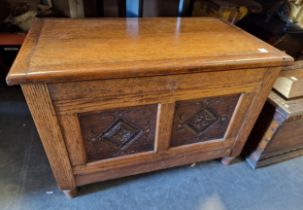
(229, 160)
(71, 193)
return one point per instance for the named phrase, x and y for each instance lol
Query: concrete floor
(26, 181)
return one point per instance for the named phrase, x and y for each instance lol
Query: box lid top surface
(78, 49)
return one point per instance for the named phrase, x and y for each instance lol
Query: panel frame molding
(88, 172)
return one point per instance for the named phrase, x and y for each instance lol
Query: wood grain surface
(42, 110)
(59, 49)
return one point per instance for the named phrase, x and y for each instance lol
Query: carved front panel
(202, 120)
(118, 132)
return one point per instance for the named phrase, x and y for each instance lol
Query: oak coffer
(117, 97)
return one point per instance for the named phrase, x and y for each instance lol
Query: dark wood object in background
(290, 82)
(278, 133)
(137, 8)
(125, 81)
(9, 47)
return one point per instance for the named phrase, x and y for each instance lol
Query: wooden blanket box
(117, 97)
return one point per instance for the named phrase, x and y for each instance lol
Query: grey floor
(26, 181)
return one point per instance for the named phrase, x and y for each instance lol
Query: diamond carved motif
(202, 120)
(120, 133)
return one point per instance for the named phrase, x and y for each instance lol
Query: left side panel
(47, 124)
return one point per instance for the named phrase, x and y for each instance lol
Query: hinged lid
(82, 49)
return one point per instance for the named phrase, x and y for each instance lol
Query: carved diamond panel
(202, 119)
(118, 132)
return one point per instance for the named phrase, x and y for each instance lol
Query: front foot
(229, 160)
(71, 193)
